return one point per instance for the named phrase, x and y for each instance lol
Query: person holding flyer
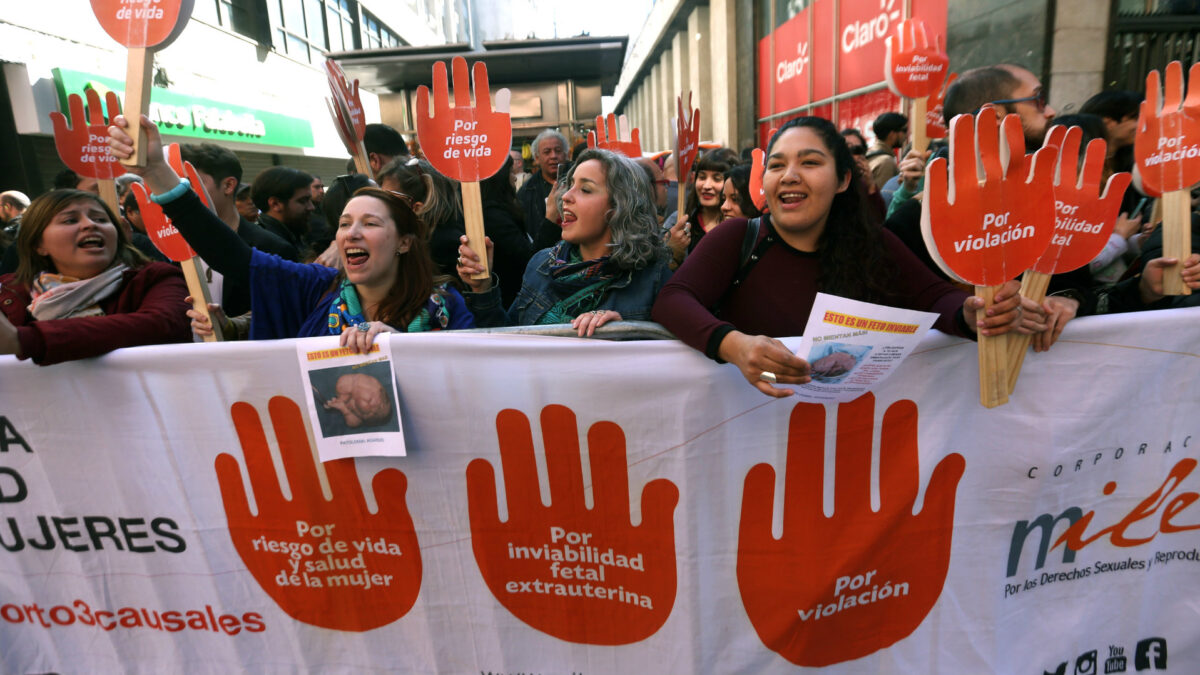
(81, 289)
(609, 265)
(737, 291)
(388, 282)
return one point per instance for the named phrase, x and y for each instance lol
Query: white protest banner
(606, 508)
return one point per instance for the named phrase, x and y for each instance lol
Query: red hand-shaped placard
(618, 137)
(913, 67)
(757, 165)
(1084, 216)
(143, 23)
(327, 563)
(162, 233)
(987, 230)
(838, 588)
(579, 574)
(352, 120)
(465, 143)
(1167, 145)
(83, 146)
(186, 170)
(687, 136)
(935, 123)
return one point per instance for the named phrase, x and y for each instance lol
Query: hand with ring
(765, 362)
(469, 265)
(359, 338)
(588, 322)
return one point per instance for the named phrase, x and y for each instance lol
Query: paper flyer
(852, 346)
(352, 400)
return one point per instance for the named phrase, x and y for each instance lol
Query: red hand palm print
(913, 67)
(987, 230)
(482, 132)
(373, 574)
(628, 604)
(83, 146)
(1167, 144)
(816, 596)
(687, 136)
(618, 137)
(1085, 216)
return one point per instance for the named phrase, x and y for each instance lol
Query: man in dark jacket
(284, 195)
(549, 151)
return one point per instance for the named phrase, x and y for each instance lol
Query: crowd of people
(585, 238)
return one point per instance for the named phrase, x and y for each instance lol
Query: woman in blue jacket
(610, 263)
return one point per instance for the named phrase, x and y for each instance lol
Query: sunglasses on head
(858, 149)
(1038, 99)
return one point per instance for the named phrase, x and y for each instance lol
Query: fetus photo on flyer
(352, 402)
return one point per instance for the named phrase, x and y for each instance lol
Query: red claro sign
(142, 23)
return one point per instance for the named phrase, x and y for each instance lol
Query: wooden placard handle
(138, 77)
(473, 217)
(916, 122)
(1177, 239)
(362, 161)
(680, 203)
(1033, 286)
(107, 187)
(198, 289)
(993, 358)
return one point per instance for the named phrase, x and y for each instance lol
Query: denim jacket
(632, 295)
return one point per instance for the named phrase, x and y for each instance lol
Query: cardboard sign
(467, 143)
(1167, 146)
(82, 143)
(1084, 216)
(185, 169)
(618, 138)
(166, 238)
(912, 66)
(143, 23)
(935, 122)
(985, 231)
(687, 135)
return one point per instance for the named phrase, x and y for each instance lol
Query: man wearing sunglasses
(1012, 89)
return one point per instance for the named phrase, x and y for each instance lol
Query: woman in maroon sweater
(81, 289)
(816, 237)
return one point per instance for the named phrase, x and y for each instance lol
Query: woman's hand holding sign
(580, 574)
(837, 588)
(325, 562)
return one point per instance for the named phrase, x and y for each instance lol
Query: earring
(399, 253)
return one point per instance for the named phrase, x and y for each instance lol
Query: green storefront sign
(197, 117)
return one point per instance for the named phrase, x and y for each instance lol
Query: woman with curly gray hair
(609, 265)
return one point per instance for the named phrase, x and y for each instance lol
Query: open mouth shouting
(92, 242)
(356, 257)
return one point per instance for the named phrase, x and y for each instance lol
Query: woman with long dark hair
(702, 210)
(736, 201)
(609, 265)
(81, 289)
(816, 237)
(387, 282)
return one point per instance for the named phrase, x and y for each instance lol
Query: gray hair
(636, 241)
(548, 133)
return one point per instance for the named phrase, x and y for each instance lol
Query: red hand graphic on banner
(465, 143)
(1167, 145)
(578, 574)
(757, 165)
(935, 123)
(83, 144)
(837, 588)
(687, 136)
(1084, 216)
(914, 68)
(162, 233)
(327, 563)
(618, 137)
(345, 93)
(987, 230)
(143, 23)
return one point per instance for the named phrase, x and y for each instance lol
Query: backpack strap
(753, 247)
(878, 153)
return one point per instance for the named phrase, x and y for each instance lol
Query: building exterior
(245, 74)
(753, 64)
